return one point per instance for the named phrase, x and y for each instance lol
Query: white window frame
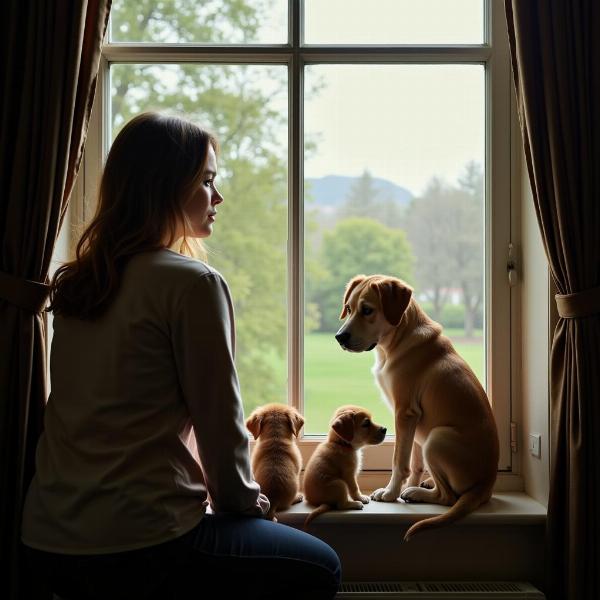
(500, 184)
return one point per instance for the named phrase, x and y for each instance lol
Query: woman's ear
(343, 425)
(395, 297)
(349, 287)
(254, 424)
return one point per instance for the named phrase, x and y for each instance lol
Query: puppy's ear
(349, 287)
(395, 297)
(343, 425)
(296, 422)
(254, 424)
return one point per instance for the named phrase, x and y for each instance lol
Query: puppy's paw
(364, 499)
(384, 495)
(298, 498)
(414, 494)
(428, 484)
(355, 505)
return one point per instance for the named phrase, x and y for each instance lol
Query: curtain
(50, 57)
(555, 50)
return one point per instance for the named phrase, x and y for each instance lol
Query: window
(352, 141)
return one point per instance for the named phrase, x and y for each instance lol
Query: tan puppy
(330, 474)
(442, 414)
(276, 459)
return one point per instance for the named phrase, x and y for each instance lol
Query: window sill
(504, 540)
(505, 508)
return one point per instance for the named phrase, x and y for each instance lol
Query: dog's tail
(465, 504)
(315, 513)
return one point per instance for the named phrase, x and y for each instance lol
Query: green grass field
(333, 377)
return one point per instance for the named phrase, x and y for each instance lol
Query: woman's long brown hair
(153, 165)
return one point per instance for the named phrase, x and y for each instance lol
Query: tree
(357, 245)
(365, 199)
(237, 102)
(429, 233)
(469, 244)
(361, 199)
(445, 228)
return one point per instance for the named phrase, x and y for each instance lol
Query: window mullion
(295, 215)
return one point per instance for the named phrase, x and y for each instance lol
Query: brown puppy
(442, 414)
(330, 474)
(276, 459)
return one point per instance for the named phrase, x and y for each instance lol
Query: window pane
(394, 185)
(194, 22)
(246, 106)
(394, 22)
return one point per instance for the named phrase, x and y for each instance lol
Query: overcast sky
(405, 123)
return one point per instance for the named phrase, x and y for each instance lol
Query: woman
(144, 426)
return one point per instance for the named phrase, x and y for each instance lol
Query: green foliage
(249, 247)
(188, 21)
(452, 315)
(357, 245)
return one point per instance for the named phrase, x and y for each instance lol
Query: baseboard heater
(436, 590)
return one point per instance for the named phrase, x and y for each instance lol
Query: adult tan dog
(442, 415)
(276, 459)
(330, 474)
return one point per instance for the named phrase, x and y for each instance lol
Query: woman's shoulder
(166, 269)
(172, 265)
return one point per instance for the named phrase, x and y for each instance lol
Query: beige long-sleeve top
(116, 466)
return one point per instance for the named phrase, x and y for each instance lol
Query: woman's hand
(264, 504)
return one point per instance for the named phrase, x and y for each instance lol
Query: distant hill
(332, 190)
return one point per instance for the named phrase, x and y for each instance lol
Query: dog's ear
(349, 287)
(296, 422)
(395, 297)
(254, 424)
(343, 425)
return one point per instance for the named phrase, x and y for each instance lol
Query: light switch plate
(535, 445)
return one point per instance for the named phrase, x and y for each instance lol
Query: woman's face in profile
(201, 207)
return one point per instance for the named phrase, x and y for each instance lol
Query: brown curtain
(555, 48)
(50, 55)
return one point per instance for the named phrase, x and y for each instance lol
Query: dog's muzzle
(343, 338)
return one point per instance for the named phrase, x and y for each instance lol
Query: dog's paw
(414, 494)
(384, 495)
(428, 484)
(355, 505)
(364, 499)
(298, 498)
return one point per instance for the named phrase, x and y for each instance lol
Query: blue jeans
(228, 554)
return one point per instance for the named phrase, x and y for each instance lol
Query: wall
(534, 320)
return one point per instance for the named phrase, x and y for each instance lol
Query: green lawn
(333, 377)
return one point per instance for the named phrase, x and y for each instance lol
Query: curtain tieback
(24, 293)
(579, 304)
